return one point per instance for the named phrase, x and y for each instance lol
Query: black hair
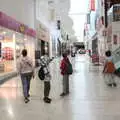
(24, 52)
(64, 55)
(108, 53)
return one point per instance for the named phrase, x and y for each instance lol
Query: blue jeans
(26, 78)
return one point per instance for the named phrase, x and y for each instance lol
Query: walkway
(90, 98)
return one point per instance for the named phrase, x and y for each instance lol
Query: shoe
(28, 95)
(114, 84)
(26, 100)
(47, 100)
(62, 94)
(67, 92)
(110, 85)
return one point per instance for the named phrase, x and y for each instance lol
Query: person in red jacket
(63, 68)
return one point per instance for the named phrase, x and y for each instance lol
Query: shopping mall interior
(72, 67)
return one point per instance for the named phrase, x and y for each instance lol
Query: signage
(10, 23)
(22, 28)
(92, 5)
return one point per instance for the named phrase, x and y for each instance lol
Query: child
(44, 62)
(65, 75)
(109, 69)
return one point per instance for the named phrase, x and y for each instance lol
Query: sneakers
(26, 100)
(64, 94)
(47, 100)
(112, 85)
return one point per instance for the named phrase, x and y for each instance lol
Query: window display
(11, 45)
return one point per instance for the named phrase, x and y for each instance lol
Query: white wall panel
(21, 10)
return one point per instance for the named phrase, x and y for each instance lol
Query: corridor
(89, 99)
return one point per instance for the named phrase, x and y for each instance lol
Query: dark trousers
(46, 88)
(26, 78)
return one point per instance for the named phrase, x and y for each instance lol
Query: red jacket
(63, 65)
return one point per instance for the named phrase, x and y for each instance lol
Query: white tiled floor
(89, 99)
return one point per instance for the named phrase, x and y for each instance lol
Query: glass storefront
(11, 45)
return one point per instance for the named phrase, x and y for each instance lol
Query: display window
(11, 45)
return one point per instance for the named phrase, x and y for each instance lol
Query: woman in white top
(26, 71)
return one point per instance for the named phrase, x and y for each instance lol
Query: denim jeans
(26, 78)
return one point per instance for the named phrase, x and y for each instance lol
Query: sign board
(92, 5)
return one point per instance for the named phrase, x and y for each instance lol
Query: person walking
(26, 71)
(64, 66)
(109, 69)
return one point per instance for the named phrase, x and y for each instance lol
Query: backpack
(41, 74)
(69, 69)
(110, 68)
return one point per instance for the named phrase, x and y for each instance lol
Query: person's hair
(108, 53)
(24, 52)
(64, 55)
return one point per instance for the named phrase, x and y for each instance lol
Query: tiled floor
(89, 99)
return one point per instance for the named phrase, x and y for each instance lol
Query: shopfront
(43, 39)
(14, 37)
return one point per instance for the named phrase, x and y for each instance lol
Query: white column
(14, 44)
(50, 47)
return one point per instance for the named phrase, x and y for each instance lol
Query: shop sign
(92, 5)
(22, 28)
(10, 23)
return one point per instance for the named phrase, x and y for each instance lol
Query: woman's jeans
(26, 78)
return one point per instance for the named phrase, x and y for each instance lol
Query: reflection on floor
(6, 67)
(89, 99)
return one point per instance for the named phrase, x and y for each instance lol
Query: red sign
(92, 5)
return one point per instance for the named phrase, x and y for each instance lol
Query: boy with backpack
(44, 74)
(66, 70)
(109, 69)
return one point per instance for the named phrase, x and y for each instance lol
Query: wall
(42, 13)
(21, 10)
